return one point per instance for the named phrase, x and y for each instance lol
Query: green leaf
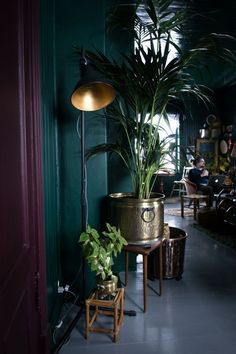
(83, 237)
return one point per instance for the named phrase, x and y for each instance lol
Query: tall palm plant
(147, 82)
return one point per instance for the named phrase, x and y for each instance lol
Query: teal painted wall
(50, 161)
(77, 25)
(117, 42)
(63, 26)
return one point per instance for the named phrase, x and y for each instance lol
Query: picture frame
(208, 149)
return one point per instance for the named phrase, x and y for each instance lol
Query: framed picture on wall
(208, 149)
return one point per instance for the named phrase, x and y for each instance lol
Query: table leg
(160, 269)
(161, 188)
(126, 267)
(195, 208)
(182, 206)
(144, 283)
(121, 306)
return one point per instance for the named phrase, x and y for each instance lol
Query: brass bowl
(106, 287)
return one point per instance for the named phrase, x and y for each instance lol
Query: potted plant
(99, 251)
(148, 82)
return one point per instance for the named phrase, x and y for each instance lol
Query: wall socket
(61, 289)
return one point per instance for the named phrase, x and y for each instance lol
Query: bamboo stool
(113, 307)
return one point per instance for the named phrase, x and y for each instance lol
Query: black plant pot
(172, 256)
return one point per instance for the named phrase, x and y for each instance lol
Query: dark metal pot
(172, 256)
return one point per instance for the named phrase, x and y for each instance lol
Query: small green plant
(99, 249)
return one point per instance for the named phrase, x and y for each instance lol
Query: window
(167, 129)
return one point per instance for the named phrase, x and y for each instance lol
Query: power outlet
(60, 289)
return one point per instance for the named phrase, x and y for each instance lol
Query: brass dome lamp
(92, 92)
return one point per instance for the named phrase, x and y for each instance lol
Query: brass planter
(107, 286)
(140, 220)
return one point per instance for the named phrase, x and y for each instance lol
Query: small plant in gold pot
(99, 250)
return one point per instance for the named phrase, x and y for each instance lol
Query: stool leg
(87, 320)
(144, 283)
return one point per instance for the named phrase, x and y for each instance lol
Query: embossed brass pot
(140, 220)
(107, 286)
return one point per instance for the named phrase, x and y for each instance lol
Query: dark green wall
(63, 26)
(77, 25)
(50, 157)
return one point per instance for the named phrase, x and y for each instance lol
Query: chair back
(186, 170)
(191, 188)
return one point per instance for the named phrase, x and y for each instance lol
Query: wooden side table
(195, 198)
(111, 307)
(139, 249)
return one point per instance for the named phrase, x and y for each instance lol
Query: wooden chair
(179, 185)
(190, 187)
(192, 196)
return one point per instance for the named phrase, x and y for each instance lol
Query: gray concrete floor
(195, 315)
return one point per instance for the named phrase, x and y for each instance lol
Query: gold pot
(140, 220)
(107, 286)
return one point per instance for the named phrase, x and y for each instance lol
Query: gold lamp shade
(92, 96)
(92, 92)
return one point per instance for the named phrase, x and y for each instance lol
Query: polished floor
(195, 315)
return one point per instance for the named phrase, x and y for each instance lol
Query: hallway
(195, 315)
